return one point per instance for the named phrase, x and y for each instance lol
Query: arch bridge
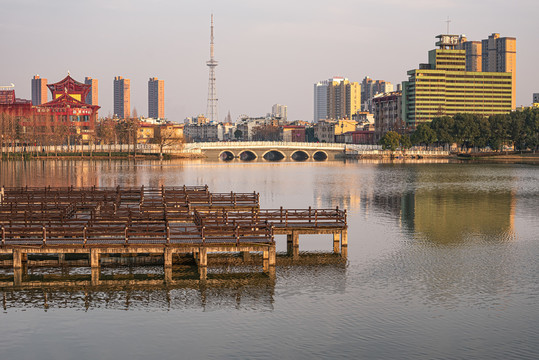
(269, 151)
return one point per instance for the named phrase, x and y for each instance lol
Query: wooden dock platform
(165, 220)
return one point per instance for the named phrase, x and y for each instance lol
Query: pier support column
(292, 242)
(94, 258)
(344, 244)
(203, 273)
(272, 255)
(203, 257)
(336, 242)
(265, 260)
(17, 276)
(61, 259)
(95, 276)
(17, 259)
(167, 255)
(168, 274)
(246, 255)
(24, 258)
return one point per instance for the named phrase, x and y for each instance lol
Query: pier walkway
(167, 220)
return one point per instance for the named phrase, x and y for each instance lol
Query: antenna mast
(211, 109)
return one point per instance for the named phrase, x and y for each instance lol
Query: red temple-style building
(67, 109)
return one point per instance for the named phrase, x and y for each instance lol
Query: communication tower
(211, 110)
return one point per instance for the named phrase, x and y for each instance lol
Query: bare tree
(165, 136)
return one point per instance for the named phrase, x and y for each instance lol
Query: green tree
(238, 134)
(498, 131)
(405, 141)
(423, 134)
(443, 127)
(390, 140)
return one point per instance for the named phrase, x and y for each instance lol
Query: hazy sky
(268, 51)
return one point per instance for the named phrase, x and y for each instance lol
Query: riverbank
(95, 156)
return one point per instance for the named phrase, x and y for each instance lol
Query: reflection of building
(156, 98)
(39, 90)
(122, 97)
(444, 87)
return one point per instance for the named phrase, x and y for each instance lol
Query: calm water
(442, 263)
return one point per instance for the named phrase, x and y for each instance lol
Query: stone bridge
(268, 151)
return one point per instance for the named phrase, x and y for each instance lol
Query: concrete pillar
(17, 276)
(272, 255)
(344, 244)
(17, 259)
(167, 255)
(203, 272)
(203, 257)
(336, 242)
(168, 274)
(344, 252)
(94, 258)
(344, 238)
(292, 242)
(265, 260)
(95, 276)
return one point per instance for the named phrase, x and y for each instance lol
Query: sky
(268, 51)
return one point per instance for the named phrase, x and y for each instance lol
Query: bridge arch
(226, 155)
(320, 155)
(247, 155)
(274, 155)
(300, 155)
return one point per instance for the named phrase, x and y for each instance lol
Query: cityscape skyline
(262, 52)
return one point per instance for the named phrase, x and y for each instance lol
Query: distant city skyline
(260, 47)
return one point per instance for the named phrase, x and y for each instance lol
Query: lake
(442, 263)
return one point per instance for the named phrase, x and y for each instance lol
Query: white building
(320, 100)
(279, 111)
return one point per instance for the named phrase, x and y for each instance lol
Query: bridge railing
(265, 144)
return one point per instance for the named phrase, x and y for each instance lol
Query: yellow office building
(444, 87)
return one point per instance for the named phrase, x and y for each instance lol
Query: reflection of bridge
(269, 151)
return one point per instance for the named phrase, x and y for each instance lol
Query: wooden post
(17, 276)
(168, 275)
(344, 237)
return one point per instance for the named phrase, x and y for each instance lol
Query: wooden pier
(168, 220)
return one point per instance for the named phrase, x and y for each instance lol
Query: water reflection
(440, 204)
(229, 284)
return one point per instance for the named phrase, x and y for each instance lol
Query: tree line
(519, 129)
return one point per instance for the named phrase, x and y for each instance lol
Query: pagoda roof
(70, 85)
(65, 100)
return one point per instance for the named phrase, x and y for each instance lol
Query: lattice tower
(211, 109)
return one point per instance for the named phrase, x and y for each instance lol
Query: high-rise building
(499, 55)
(39, 90)
(156, 98)
(122, 97)
(342, 99)
(370, 88)
(473, 53)
(279, 111)
(92, 97)
(320, 101)
(444, 87)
